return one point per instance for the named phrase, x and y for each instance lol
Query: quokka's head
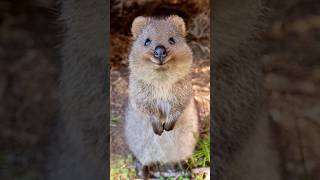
(159, 47)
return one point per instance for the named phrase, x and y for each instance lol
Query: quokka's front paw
(168, 126)
(157, 128)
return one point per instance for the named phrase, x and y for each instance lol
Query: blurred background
(30, 64)
(292, 77)
(29, 68)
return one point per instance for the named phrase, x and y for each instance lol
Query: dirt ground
(29, 68)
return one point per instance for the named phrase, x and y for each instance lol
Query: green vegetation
(115, 119)
(198, 176)
(201, 156)
(122, 168)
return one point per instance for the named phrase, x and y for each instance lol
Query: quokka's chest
(161, 98)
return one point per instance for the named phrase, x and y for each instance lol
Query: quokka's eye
(147, 42)
(172, 41)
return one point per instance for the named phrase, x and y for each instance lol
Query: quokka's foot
(168, 126)
(157, 128)
(146, 172)
(142, 171)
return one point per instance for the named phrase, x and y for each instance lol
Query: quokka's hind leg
(138, 167)
(141, 170)
(145, 173)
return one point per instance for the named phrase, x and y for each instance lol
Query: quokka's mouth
(149, 57)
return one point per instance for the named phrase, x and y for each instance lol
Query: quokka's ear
(138, 24)
(179, 23)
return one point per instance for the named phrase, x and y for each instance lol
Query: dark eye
(172, 41)
(147, 42)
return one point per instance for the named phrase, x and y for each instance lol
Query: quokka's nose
(160, 53)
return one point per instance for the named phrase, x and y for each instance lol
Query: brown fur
(161, 113)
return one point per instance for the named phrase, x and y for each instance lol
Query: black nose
(160, 53)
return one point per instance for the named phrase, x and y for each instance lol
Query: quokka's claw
(168, 126)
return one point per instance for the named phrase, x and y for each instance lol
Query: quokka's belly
(172, 146)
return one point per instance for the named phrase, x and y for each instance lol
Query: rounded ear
(179, 23)
(137, 25)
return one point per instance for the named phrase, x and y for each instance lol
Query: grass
(198, 176)
(195, 177)
(115, 119)
(201, 156)
(122, 168)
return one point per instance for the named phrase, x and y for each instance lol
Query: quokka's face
(159, 44)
